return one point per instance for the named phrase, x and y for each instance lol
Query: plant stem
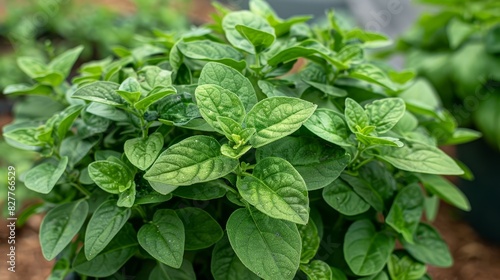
(81, 189)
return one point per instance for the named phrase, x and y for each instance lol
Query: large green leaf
(194, 160)
(214, 101)
(60, 225)
(43, 177)
(429, 247)
(318, 164)
(143, 152)
(110, 176)
(276, 117)
(202, 231)
(366, 250)
(268, 247)
(230, 79)
(164, 237)
(445, 190)
(121, 248)
(276, 189)
(226, 265)
(422, 159)
(102, 92)
(330, 126)
(341, 197)
(406, 211)
(206, 50)
(105, 223)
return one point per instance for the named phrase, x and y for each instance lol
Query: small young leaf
(342, 198)
(202, 231)
(65, 61)
(121, 248)
(330, 126)
(143, 152)
(226, 264)
(164, 238)
(105, 223)
(194, 160)
(405, 267)
(60, 225)
(429, 247)
(255, 236)
(43, 177)
(255, 30)
(276, 189)
(355, 115)
(230, 79)
(276, 117)
(317, 270)
(366, 250)
(385, 113)
(259, 39)
(406, 211)
(378, 141)
(127, 197)
(214, 101)
(110, 176)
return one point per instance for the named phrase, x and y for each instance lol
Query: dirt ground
(475, 259)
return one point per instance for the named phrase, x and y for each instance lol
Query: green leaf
(202, 231)
(317, 270)
(253, 30)
(342, 198)
(162, 188)
(60, 269)
(164, 237)
(32, 67)
(255, 237)
(379, 276)
(276, 117)
(105, 223)
(165, 272)
(405, 268)
(26, 89)
(151, 77)
(276, 189)
(107, 111)
(65, 61)
(422, 159)
(102, 92)
(194, 160)
(462, 135)
(154, 96)
(226, 265)
(310, 241)
(143, 152)
(330, 126)
(25, 136)
(355, 115)
(60, 225)
(385, 113)
(337, 274)
(372, 74)
(130, 90)
(206, 50)
(203, 191)
(214, 101)
(43, 177)
(445, 190)
(230, 79)
(127, 197)
(121, 248)
(406, 211)
(75, 149)
(366, 250)
(376, 141)
(318, 164)
(110, 176)
(429, 247)
(66, 119)
(458, 32)
(366, 190)
(275, 87)
(328, 89)
(234, 153)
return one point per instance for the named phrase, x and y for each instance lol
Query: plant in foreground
(203, 155)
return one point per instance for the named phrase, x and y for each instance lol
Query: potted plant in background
(457, 49)
(201, 154)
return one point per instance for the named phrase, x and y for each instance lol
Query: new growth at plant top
(202, 154)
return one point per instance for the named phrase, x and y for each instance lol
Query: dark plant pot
(484, 191)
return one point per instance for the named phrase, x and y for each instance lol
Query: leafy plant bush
(457, 49)
(204, 154)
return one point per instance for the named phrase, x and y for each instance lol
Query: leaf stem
(81, 189)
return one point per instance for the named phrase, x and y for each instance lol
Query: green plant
(204, 152)
(457, 49)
